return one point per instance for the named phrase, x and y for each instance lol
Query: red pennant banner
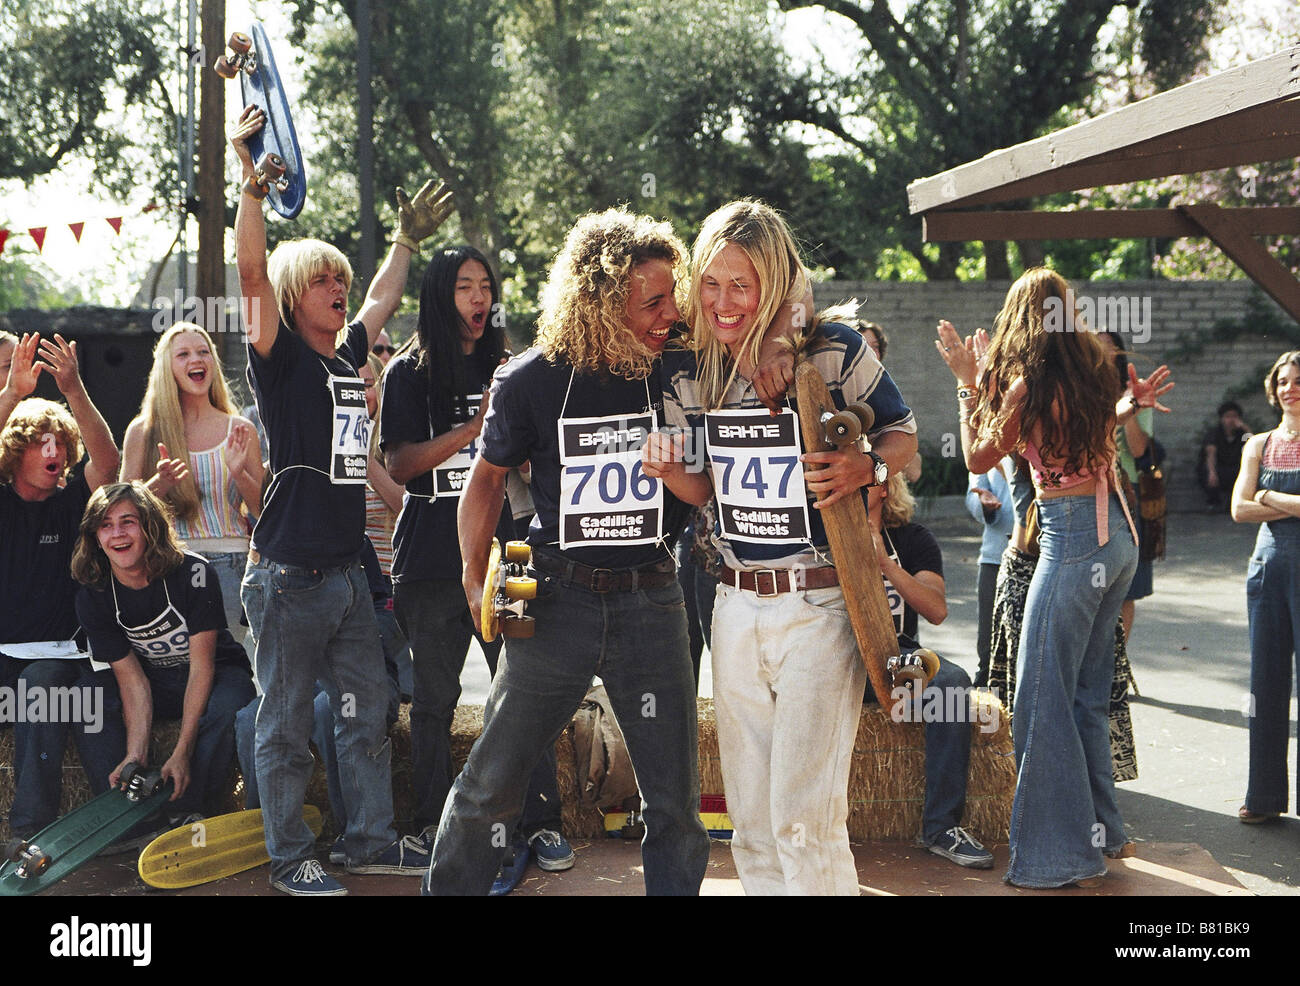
(38, 234)
(76, 230)
(116, 223)
(4, 235)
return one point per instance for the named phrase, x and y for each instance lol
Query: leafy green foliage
(70, 73)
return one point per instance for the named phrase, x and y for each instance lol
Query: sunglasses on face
(381, 349)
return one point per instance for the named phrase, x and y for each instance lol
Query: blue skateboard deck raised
(265, 89)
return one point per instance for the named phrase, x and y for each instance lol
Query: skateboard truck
(31, 860)
(140, 782)
(243, 57)
(847, 426)
(913, 670)
(506, 591)
(270, 170)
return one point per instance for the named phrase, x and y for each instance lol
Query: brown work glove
(421, 216)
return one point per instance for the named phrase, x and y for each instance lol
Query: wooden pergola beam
(1251, 256)
(1150, 138)
(958, 227)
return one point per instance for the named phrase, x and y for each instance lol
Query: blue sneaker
(551, 850)
(311, 880)
(337, 855)
(512, 870)
(960, 847)
(408, 856)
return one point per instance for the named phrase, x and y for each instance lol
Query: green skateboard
(78, 837)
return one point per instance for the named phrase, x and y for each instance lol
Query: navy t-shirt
(307, 519)
(917, 551)
(36, 544)
(425, 542)
(528, 396)
(160, 642)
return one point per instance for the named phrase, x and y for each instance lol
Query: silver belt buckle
(758, 591)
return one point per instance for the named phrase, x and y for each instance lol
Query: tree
(953, 80)
(70, 73)
(535, 111)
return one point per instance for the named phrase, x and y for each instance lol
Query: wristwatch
(880, 469)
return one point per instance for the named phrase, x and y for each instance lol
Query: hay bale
(887, 776)
(886, 785)
(76, 788)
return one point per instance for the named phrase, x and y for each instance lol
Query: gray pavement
(1191, 658)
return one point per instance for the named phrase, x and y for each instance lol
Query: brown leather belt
(774, 581)
(652, 576)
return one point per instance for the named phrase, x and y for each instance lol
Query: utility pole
(211, 274)
(365, 149)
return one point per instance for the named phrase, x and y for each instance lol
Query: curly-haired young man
(578, 406)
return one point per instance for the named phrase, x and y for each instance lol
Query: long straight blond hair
(758, 230)
(160, 415)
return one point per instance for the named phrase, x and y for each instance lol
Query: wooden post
(211, 275)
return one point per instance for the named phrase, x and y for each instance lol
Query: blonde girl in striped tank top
(192, 450)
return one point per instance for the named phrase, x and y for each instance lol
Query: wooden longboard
(211, 849)
(852, 550)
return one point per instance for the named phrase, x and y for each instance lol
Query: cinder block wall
(910, 311)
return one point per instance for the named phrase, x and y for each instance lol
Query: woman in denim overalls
(1051, 392)
(1268, 492)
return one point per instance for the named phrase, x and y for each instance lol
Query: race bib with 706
(757, 475)
(449, 479)
(605, 496)
(350, 450)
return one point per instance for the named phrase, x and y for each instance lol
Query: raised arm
(60, 359)
(417, 219)
(24, 371)
(257, 297)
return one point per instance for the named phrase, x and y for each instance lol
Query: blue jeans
(1065, 813)
(213, 756)
(1273, 602)
(230, 574)
(947, 752)
(636, 642)
(309, 625)
(435, 617)
(39, 746)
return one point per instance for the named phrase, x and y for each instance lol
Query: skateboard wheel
(518, 627)
(519, 551)
(842, 428)
(129, 773)
(271, 167)
(38, 865)
(13, 850)
(224, 68)
(240, 43)
(929, 661)
(521, 587)
(255, 188)
(866, 417)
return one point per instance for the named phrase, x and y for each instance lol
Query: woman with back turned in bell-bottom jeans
(1055, 397)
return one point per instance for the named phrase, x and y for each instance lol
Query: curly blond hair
(30, 422)
(584, 300)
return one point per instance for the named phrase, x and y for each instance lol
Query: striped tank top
(219, 526)
(379, 528)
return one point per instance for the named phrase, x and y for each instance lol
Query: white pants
(787, 687)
